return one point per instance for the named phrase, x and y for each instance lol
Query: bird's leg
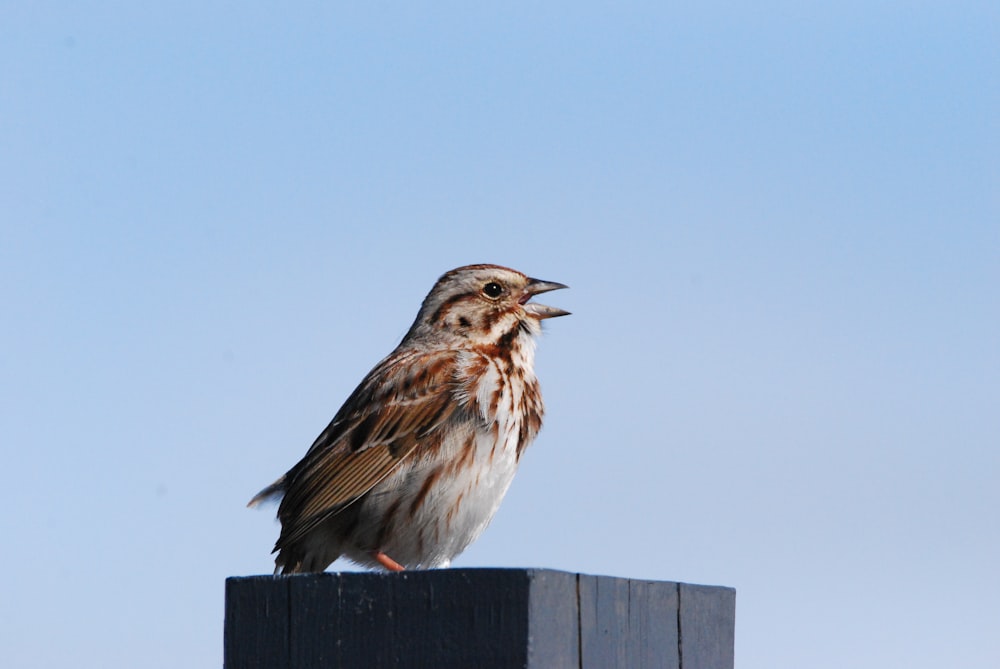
(387, 561)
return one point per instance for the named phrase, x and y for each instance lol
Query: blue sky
(780, 222)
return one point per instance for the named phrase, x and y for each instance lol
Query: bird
(416, 462)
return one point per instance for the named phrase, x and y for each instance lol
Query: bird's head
(482, 304)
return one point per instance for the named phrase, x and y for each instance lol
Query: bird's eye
(492, 289)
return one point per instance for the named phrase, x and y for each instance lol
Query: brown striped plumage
(414, 465)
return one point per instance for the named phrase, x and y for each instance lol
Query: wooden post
(462, 618)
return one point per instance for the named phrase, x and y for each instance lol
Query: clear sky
(780, 222)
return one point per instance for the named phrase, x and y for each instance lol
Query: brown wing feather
(396, 408)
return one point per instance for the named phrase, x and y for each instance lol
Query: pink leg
(387, 561)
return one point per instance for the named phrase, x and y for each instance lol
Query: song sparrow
(414, 465)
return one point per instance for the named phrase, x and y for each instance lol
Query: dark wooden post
(462, 618)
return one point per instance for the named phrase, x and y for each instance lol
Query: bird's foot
(387, 561)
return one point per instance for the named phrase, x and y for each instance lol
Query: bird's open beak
(540, 311)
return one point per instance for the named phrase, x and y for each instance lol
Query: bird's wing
(401, 403)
